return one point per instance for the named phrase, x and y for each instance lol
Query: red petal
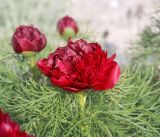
(71, 89)
(44, 68)
(62, 82)
(40, 42)
(64, 66)
(80, 85)
(15, 45)
(9, 128)
(113, 57)
(110, 80)
(26, 45)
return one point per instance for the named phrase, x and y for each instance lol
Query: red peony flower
(80, 65)
(28, 38)
(9, 128)
(67, 27)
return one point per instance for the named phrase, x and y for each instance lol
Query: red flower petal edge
(81, 65)
(9, 128)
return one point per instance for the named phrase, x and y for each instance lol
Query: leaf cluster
(131, 109)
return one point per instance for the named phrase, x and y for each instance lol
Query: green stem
(81, 98)
(33, 69)
(31, 62)
(30, 56)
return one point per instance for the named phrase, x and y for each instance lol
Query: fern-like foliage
(148, 45)
(131, 109)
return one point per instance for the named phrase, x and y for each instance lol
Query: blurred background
(113, 23)
(116, 22)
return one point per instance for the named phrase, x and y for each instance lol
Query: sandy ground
(123, 19)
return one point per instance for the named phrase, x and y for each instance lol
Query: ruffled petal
(61, 82)
(46, 70)
(110, 79)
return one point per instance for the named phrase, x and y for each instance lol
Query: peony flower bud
(9, 128)
(28, 39)
(81, 65)
(67, 27)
